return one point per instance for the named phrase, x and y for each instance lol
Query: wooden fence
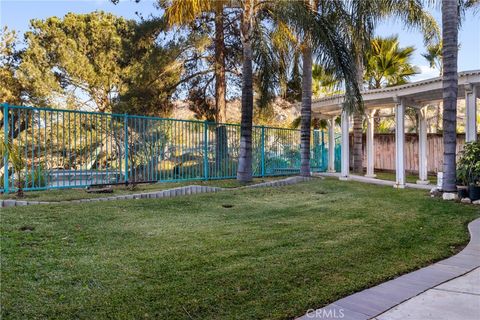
(385, 151)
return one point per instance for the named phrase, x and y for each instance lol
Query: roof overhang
(415, 94)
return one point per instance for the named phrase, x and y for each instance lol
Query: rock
(477, 202)
(435, 192)
(9, 203)
(449, 196)
(466, 200)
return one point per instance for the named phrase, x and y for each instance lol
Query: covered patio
(416, 95)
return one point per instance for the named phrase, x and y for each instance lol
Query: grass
(75, 193)
(275, 253)
(410, 178)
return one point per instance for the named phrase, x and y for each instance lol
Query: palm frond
(266, 64)
(179, 12)
(333, 49)
(413, 13)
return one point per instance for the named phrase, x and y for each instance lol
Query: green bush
(36, 178)
(468, 167)
(276, 162)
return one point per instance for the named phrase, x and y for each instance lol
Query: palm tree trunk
(358, 124)
(221, 145)
(450, 91)
(306, 111)
(244, 171)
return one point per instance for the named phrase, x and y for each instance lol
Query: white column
(470, 113)
(345, 172)
(400, 143)
(370, 144)
(331, 145)
(422, 146)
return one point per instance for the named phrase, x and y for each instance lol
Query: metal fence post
(262, 151)
(125, 125)
(205, 150)
(5, 156)
(322, 150)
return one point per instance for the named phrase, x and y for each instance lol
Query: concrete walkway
(419, 294)
(455, 299)
(380, 182)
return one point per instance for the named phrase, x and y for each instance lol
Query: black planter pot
(474, 192)
(462, 192)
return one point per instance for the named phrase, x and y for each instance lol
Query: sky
(16, 14)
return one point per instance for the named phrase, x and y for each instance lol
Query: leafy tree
(152, 71)
(11, 90)
(102, 62)
(74, 57)
(214, 23)
(202, 106)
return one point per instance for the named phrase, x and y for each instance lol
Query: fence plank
(385, 151)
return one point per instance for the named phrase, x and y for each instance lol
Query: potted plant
(468, 169)
(462, 182)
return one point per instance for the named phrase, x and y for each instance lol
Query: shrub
(36, 178)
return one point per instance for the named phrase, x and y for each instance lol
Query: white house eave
(415, 94)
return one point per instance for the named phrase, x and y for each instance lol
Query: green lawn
(75, 194)
(276, 253)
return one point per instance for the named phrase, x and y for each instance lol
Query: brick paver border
(168, 193)
(374, 301)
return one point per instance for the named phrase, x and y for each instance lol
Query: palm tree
(387, 64)
(364, 17)
(306, 109)
(324, 82)
(244, 171)
(183, 12)
(434, 56)
(450, 22)
(328, 44)
(286, 44)
(327, 40)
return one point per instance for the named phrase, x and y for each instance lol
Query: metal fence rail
(71, 149)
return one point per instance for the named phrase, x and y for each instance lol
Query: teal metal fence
(71, 149)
